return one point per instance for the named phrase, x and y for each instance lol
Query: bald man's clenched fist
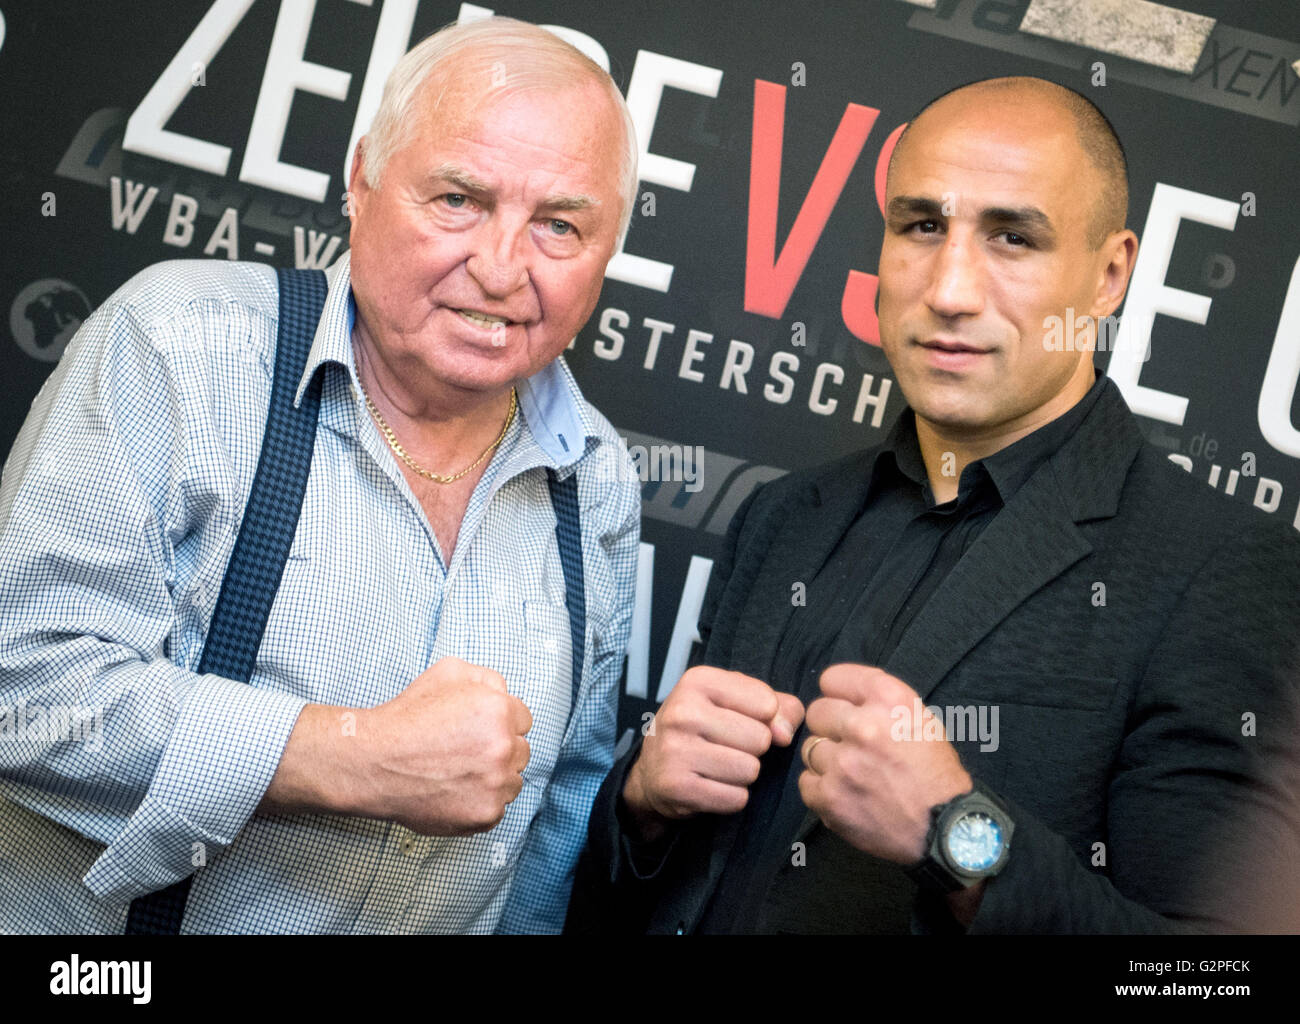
(702, 753)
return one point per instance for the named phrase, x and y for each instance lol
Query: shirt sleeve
(543, 881)
(163, 765)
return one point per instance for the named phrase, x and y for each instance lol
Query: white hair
(517, 56)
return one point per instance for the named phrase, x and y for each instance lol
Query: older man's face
(986, 236)
(483, 250)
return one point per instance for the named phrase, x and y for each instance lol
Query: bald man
(1022, 694)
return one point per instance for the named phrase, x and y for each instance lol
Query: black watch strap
(930, 876)
(932, 872)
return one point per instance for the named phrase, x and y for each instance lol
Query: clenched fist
(703, 752)
(872, 789)
(448, 752)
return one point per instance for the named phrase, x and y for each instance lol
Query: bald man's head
(1095, 134)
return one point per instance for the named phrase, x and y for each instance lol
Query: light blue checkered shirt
(121, 768)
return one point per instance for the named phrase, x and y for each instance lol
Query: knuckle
(669, 715)
(834, 791)
(499, 749)
(886, 688)
(701, 676)
(864, 731)
(487, 812)
(502, 709)
(692, 676)
(693, 680)
(849, 769)
(448, 667)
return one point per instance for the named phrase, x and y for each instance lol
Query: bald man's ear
(1120, 254)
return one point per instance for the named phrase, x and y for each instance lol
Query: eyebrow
(1027, 217)
(459, 178)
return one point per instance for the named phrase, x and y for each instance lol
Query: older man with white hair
(345, 561)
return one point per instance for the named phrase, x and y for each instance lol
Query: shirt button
(408, 846)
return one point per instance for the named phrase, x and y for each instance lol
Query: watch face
(974, 841)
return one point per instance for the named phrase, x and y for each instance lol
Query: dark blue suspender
(568, 534)
(267, 530)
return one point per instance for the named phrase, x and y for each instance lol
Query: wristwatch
(969, 839)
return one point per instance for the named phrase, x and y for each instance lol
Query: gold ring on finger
(808, 749)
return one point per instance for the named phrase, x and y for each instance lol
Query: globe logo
(45, 316)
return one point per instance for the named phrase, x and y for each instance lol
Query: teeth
(482, 318)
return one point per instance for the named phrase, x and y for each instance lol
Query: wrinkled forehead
(575, 117)
(563, 140)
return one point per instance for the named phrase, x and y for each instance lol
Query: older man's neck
(441, 421)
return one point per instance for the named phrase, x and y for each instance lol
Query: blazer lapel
(811, 524)
(1030, 542)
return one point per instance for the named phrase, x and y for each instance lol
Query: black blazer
(1121, 747)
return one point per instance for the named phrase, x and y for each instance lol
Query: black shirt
(898, 550)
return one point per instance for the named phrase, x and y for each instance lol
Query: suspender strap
(539, 890)
(265, 535)
(568, 532)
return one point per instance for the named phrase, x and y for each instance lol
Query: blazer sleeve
(1197, 788)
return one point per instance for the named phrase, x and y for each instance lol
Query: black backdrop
(1213, 160)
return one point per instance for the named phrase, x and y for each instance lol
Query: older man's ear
(358, 187)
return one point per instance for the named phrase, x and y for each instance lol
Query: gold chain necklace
(401, 452)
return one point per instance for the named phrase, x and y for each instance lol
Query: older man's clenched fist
(448, 752)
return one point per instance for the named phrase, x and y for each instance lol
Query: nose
(956, 285)
(497, 260)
